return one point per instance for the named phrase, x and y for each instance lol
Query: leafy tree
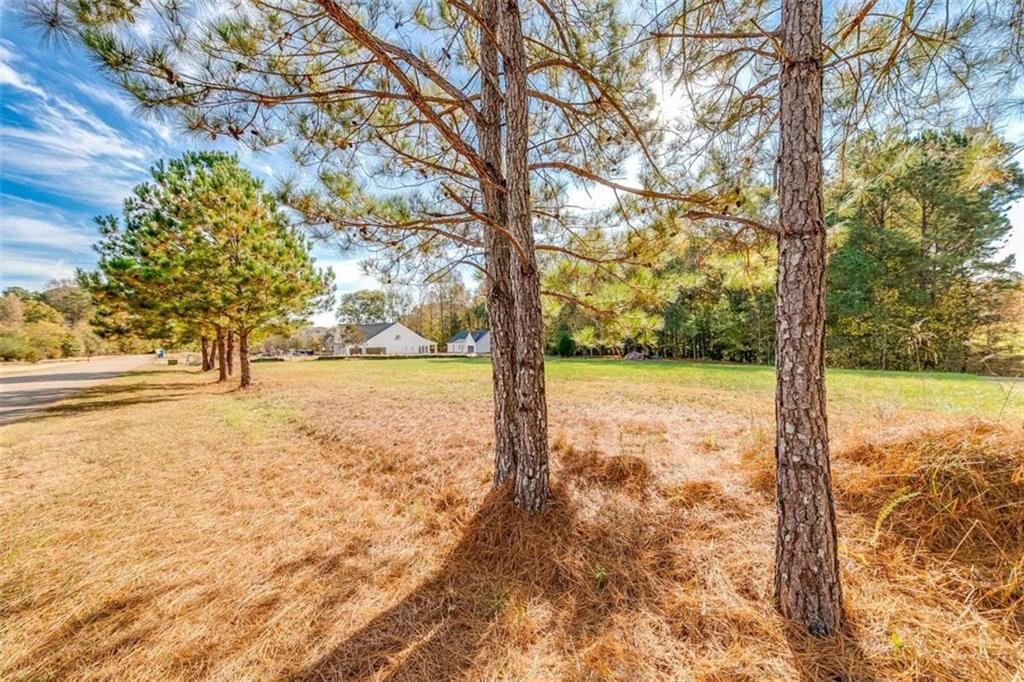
(12, 314)
(34, 310)
(917, 277)
(420, 96)
(203, 247)
(783, 85)
(45, 337)
(373, 305)
(445, 307)
(69, 299)
(15, 346)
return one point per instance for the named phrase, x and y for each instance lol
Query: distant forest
(56, 323)
(913, 279)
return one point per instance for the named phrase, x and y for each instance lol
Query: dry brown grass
(335, 523)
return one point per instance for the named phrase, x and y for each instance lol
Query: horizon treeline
(56, 322)
(913, 278)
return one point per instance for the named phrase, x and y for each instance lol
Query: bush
(14, 346)
(70, 346)
(565, 347)
(45, 337)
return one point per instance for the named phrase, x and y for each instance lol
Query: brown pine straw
(330, 527)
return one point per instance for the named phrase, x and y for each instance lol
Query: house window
(398, 337)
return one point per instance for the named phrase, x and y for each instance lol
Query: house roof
(368, 331)
(477, 335)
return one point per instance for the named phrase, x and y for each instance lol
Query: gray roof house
(468, 342)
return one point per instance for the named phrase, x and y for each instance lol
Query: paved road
(24, 390)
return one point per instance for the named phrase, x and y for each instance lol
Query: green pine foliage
(203, 247)
(914, 280)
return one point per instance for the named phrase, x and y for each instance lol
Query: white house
(383, 338)
(470, 342)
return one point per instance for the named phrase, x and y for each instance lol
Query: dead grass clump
(758, 460)
(622, 471)
(957, 492)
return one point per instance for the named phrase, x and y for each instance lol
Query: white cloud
(348, 275)
(10, 76)
(28, 223)
(58, 146)
(26, 230)
(69, 152)
(123, 106)
(29, 269)
(591, 196)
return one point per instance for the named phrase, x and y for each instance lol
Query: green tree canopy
(204, 246)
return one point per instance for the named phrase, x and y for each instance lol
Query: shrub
(45, 337)
(70, 346)
(14, 346)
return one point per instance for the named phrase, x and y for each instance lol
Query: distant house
(382, 338)
(470, 342)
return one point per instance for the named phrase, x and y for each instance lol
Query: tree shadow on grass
(102, 633)
(161, 372)
(589, 570)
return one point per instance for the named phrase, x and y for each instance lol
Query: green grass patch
(691, 382)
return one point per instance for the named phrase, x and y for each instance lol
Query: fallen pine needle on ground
(335, 522)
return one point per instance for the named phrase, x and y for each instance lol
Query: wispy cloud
(123, 106)
(64, 149)
(54, 143)
(73, 145)
(11, 77)
(29, 224)
(16, 269)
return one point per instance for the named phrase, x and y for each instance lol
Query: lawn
(334, 522)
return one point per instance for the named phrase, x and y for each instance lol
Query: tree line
(203, 254)
(55, 322)
(436, 310)
(913, 278)
(435, 135)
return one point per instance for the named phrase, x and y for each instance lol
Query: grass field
(334, 523)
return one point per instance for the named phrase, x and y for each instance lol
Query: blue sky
(73, 146)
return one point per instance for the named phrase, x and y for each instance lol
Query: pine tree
(325, 75)
(205, 246)
(785, 87)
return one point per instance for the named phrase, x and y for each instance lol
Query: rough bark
(531, 485)
(245, 377)
(807, 587)
(222, 364)
(231, 352)
(497, 255)
(204, 347)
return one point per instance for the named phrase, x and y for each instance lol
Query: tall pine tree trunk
(231, 352)
(222, 363)
(245, 378)
(497, 255)
(807, 588)
(204, 347)
(531, 486)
